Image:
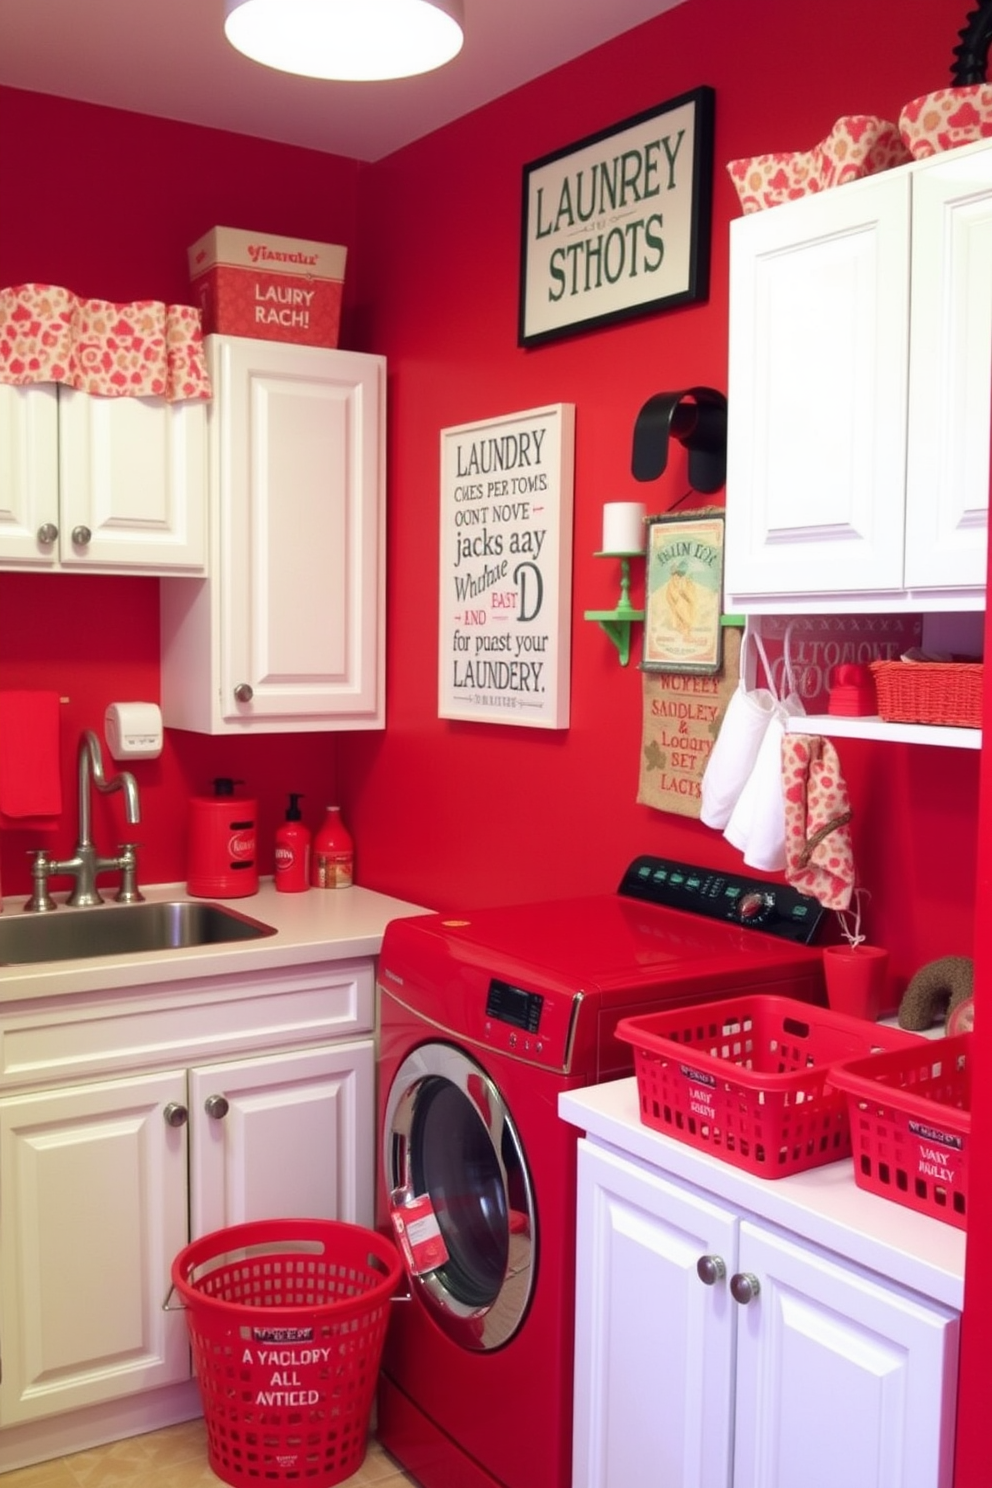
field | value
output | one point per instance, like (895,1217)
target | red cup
(856,978)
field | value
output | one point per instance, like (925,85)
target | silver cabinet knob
(81,536)
(49,533)
(175,1114)
(710,1269)
(216,1107)
(744,1287)
(244,692)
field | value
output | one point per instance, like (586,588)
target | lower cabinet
(714,1350)
(105,1180)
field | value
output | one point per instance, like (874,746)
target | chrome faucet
(86,863)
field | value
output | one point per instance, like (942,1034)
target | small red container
(911,1125)
(746,1078)
(222,849)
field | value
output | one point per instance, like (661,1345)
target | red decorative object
(852,692)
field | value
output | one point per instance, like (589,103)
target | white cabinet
(104,1180)
(290,1134)
(830,1374)
(287,634)
(94,1209)
(101,484)
(860,384)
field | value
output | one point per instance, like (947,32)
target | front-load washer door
(448,1134)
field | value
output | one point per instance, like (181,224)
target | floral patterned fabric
(945,119)
(819,859)
(144,349)
(858,145)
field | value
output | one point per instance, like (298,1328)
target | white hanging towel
(757,822)
(735,751)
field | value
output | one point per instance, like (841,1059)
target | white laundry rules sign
(506,569)
(286,1365)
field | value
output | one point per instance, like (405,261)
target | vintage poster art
(684,599)
(619,223)
(504,648)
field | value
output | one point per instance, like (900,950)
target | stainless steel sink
(121,930)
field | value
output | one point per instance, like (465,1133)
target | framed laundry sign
(682,630)
(619,223)
(506,568)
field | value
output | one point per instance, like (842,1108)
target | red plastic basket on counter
(910,1125)
(746,1078)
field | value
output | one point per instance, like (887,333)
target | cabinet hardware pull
(48,533)
(175,1114)
(244,692)
(744,1287)
(710,1269)
(216,1107)
(81,536)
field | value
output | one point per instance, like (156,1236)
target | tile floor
(173,1458)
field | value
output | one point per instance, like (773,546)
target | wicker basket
(946,692)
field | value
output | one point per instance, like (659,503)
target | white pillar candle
(623,527)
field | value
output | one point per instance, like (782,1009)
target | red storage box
(277,289)
(746,1078)
(911,1123)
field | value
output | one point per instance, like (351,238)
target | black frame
(695,287)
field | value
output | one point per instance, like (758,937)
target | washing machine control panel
(509,1004)
(533,1026)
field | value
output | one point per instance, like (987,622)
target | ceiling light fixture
(346,40)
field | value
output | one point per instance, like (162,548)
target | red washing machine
(484,1019)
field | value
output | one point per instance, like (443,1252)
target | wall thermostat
(133,730)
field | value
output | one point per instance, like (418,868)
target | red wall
(444,812)
(107,203)
(455,813)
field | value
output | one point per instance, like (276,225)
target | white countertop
(823,1205)
(317,925)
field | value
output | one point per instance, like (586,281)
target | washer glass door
(448,1134)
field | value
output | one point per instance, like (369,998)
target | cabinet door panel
(29,473)
(301,551)
(134,472)
(654,1346)
(94,1210)
(951,376)
(840,1378)
(816,448)
(296,1139)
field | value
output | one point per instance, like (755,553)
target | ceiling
(170,58)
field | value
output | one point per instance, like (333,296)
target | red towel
(30,777)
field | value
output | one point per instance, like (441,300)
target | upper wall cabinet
(859,394)
(101,484)
(287,633)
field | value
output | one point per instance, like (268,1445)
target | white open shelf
(840,727)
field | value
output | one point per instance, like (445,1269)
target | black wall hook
(697,418)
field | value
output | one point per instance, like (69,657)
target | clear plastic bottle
(333,853)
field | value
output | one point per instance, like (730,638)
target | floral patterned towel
(819,859)
(144,350)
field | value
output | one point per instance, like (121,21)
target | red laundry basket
(287,1320)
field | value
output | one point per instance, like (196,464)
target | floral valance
(144,349)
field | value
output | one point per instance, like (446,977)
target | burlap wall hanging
(681,719)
